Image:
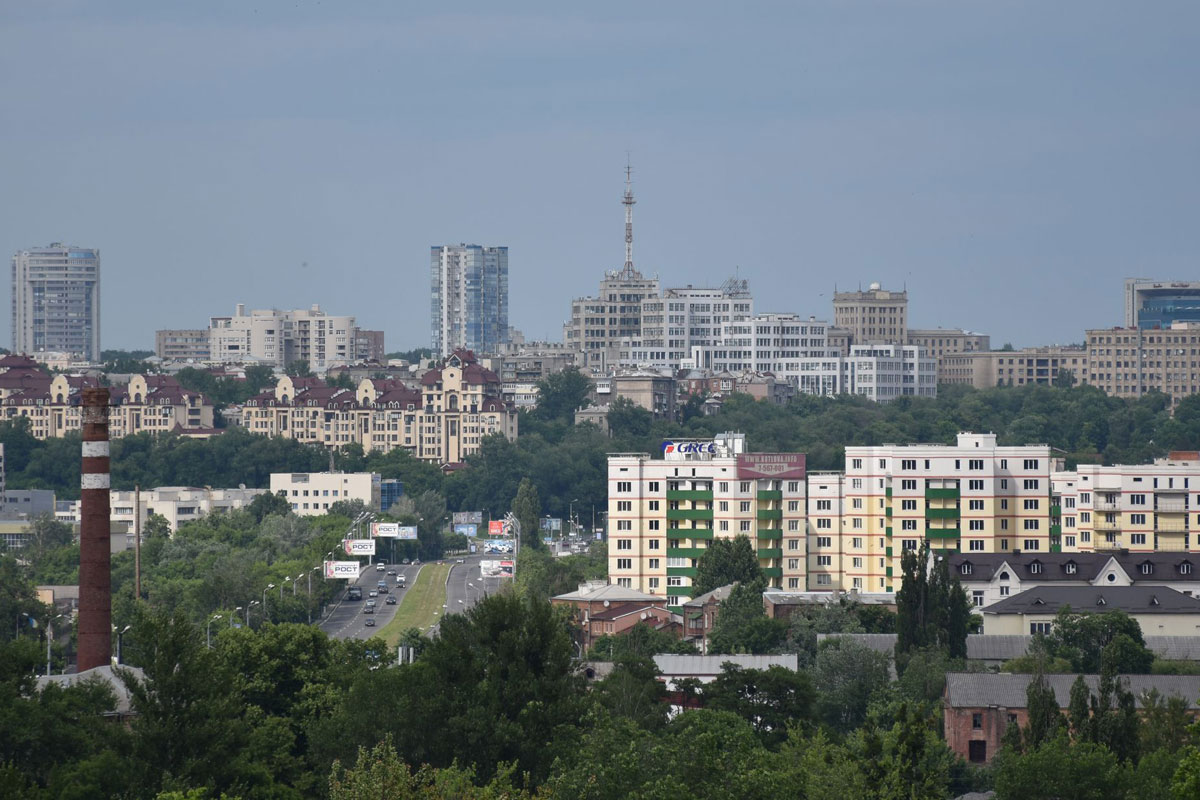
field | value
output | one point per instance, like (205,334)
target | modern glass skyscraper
(469,298)
(56,301)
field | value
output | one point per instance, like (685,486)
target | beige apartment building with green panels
(663,512)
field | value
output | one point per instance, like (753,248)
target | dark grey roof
(719,594)
(682,665)
(1088,566)
(1007,690)
(990,647)
(982,647)
(1130,599)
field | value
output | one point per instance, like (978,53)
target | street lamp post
(266,611)
(248,607)
(50,641)
(208,630)
(233,616)
(571,515)
(17,628)
(120,636)
(310,572)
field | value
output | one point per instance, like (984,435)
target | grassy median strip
(422,604)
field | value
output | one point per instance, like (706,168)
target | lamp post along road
(208,630)
(266,612)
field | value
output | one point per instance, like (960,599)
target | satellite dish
(644,615)
(606,604)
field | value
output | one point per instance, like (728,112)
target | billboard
(386,530)
(496,528)
(468,517)
(342,569)
(407,532)
(551,524)
(785,466)
(506,569)
(496,569)
(465,529)
(675,448)
(359,547)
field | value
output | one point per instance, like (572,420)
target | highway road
(464,588)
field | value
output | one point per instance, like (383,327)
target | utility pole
(137,542)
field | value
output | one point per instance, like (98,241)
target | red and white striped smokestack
(95,576)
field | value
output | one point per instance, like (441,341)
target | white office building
(313,493)
(278,338)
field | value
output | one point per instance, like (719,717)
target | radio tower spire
(628,202)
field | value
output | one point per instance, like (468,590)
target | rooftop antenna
(628,202)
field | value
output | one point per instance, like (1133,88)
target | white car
(379,567)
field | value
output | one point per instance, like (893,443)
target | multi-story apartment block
(369,346)
(1158,304)
(886,372)
(663,512)
(468,298)
(56,301)
(775,343)
(312,493)
(147,404)
(682,321)
(175,504)
(1128,362)
(1137,508)
(1030,365)
(182,345)
(280,338)
(876,316)
(944,344)
(973,496)
(442,420)
(598,324)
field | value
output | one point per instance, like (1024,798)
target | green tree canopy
(726,561)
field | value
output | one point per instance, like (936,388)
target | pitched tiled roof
(1007,690)
(718,594)
(1083,599)
(618,610)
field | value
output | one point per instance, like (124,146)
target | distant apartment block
(1158,304)
(663,513)
(680,321)
(599,323)
(56,301)
(441,419)
(313,493)
(279,338)
(147,404)
(182,345)
(469,298)
(875,316)
(1029,365)
(944,344)
(368,346)
(1129,362)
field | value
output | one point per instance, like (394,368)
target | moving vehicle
(372,593)
(381,587)
(391,601)
(369,609)
(460,561)
(406,561)
(379,567)
(400,580)
(391,572)
(354,593)
(369,623)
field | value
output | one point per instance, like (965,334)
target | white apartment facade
(278,338)
(175,504)
(313,493)
(663,512)
(973,496)
(679,321)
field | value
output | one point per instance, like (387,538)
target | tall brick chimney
(95,575)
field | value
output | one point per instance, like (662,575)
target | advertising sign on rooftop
(776,466)
(342,569)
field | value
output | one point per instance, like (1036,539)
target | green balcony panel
(685,552)
(1055,530)
(770,552)
(888,530)
(764,513)
(887,492)
(942,513)
(770,572)
(888,552)
(941,494)
(942,533)
(689,513)
(681,572)
(696,534)
(1056,548)
(1056,511)
(888,512)
(770,494)
(771,533)
(689,494)
(889,572)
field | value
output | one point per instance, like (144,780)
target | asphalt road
(464,588)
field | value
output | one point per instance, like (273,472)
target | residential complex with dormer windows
(663,512)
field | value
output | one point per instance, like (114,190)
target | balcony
(1171,526)
(685,552)
(1107,505)
(942,513)
(695,534)
(763,514)
(773,572)
(942,494)
(770,533)
(888,512)
(1055,510)
(1055,530)
(888,572)
(1107,547)
(887,492)
(1171,490)
(943,533)
(689,494)
(692,513)
(770,552)
(888,552)
(1105,525)
(1171,546)
(1171,506)
(681,572)
(767,494)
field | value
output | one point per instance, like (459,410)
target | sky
(1009,163)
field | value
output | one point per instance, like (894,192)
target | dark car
(370,622)
(391,601)
(391,572)
(406,561)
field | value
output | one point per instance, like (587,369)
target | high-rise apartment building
(876,316)
(663,513)
(283,337)
(680,323)
(56,301)
(973,496)
(469,298)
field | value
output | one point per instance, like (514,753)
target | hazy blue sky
(1012,162)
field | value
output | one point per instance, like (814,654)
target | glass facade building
(468,298)
(56,301)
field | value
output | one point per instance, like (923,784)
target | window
(625,583)
(975,525)
(975,545)
(824,524)
(908,485)
(793,563)
(856,542)
(745,507)
(856,483)
(723,486)
(908,544)
(1031,463)
(975,505)
(1031,524)
(908,524)
(794,583)
(1137,499)
(1031,505)
(975,463)
(624,563)
(824,505)
(824,541)
(653,583)
(858,562)
(1137,538)
(857,523)
(1137,519)
(624,505)
(652,544)
(624,486)
(653,563)
(908,463)
(624,544)
(824,580)
(856,463)
(1069,541)
(674,581)
(793,505)
(977,598)
(1004,591)
(793,524)
(1031,483)
(966,569)
(653,525)
(793,544)
(653,487)
(975,485)
(977,721)
(624,524)
(908,505)
(1039,627)
(1032,544)
(793,486)
(744,486)
(654,505)
(824,561)
(744,526)
(856,503)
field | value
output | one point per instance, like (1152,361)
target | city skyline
(956,152)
